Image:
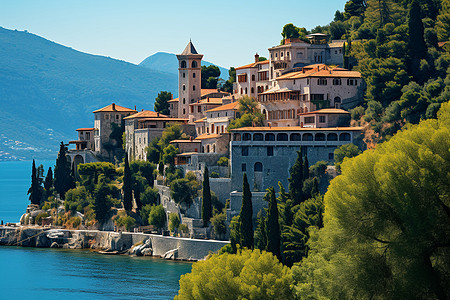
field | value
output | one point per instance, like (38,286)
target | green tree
(63,179)
(347,150)
(228,85)
(386,227)
(91,172)
(182,191)
(174,221)
(245,275)
(295,237)
(219,224)
(296,180)
(235,233)
(260,237)
(210,75)
(169,154)
(443,22)
(161,102)
(354,8)
(206,199)
(48,182)
(250,114)
(154,151)
(157,217)
(35,190)
(246,215)
(127,187)
(416,45)
(102,204)
(272,225)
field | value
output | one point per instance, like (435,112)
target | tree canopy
(161,102)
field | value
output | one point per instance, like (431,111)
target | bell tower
(189,79)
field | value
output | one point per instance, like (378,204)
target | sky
(228,33)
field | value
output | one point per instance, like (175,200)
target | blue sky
(228,33)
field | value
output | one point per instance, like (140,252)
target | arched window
(183,64)
(214,148)
(194,64)
(246,137)
(253,77)
(258,137)
(258,167)
(296,137)
(270,137)
(193,75)
(184,87)
(265,114)
(344,136)
(332,137)
(320,137)
(337,102)
(307,137)
(282,137)
(237,137)
(246,91)
(252,90)
(207,148)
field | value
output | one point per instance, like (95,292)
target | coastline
(109,242)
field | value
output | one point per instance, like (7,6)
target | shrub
(73,222)
(245,275)
(183,228)
(219,223)
(223,161)
(125,221)
(214,175)
(174,221)
(39,218)
(157,216)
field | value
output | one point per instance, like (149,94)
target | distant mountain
(48,90)
(168,62)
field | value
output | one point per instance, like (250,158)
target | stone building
(217,119)
(253,78)
(85,139)
(104,119)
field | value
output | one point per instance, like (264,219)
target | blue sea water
(32,273)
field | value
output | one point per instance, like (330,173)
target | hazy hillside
(48,90)
(168,62)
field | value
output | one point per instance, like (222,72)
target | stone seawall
(161,246)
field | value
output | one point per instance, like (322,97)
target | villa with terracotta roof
(252,79)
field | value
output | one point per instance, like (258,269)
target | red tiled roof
(200,120)
(117,108)
(233,105)
(85,129)
(206,136)
(174,100)
(146,114)
(253,65)
(320,70)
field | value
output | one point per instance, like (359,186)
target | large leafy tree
(210,75)
(246,215)
(63,179)
(161,102)
(249,114)
(206,199)
(387,221)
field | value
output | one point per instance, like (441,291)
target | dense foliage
(161,102)
(245,275)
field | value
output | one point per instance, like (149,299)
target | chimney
(256,57)
(157,114)
(142,109)
(171,96)
(135,107)
(113,106)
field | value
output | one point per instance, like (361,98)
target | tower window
(184,111)
(194,64)
(193,75)
(183,64)
(184,100)
(184,75)
(193,87)
(184,87)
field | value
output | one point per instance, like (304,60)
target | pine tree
(127,187)
(161,102)
(296,180)
(63,180)
(48,183)
(273,226)
(35,190)
(246,215)
(206,199)
(416,44)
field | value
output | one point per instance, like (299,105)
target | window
(337,81)
(331,156)
(253,77)
(281,55)
(344,136)
(193,75)
(332,137)
(351,82)
(184,75)
(270,151)
(322,81)
(321,119)
(194,64)
(244,151)
(184,87)
(258,167)
(244,167)
(183,64)
(296,137)
(246,137)
(193,87)
(307,137)
(282,137)
(246,91)
(199,109)
(270,137)
(310,120)
(258,137)
(184,100)
(252,90)
(320,137)
(242,77)
(317,97)
(307,81)
(88,135)
(107,117)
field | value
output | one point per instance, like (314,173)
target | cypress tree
(127,187)
(416,43)
(296,180)
(260,238)
(35,189)
(100,201)
(206,199)
(246,214)
(273,226)
(48,182)
(63,181)
(73,177)
(306,168)
(315,188)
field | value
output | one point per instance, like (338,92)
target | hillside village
(302,92)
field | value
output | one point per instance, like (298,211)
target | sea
(35,273)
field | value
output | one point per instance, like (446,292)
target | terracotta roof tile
(174,100)
(117,108)
(206,136)
(200,120)
(326,111)
(146,114)
(85,129)
(320,71)
(229,106)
